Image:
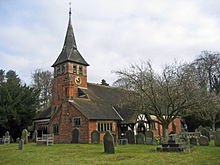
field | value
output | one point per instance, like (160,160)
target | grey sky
(110,34)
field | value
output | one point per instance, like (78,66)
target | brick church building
(79,107)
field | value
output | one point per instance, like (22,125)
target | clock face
(78,80)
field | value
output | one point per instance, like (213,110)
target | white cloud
(110,34)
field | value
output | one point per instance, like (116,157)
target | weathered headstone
(17,140)
(204,131)
(154,142)
(149,141)
(149,134)
(21,144)
(25,136)
(95,137)
(115,138)
(217,137)
(140,138)
(34,136)
(7,134)
(203,141)
(193,141)
(130,137)
(108,143)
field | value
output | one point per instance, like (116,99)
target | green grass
(59,154)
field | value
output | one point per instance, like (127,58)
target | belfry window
(63,68)
(74,69)
(58,70)
(80,70)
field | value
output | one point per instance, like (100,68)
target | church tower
(70,70)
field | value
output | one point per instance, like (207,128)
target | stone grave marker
(193,141)
(34,136)
(203,141)
(217,137)
(21,144)
(115,138)
(108,143)
(95,137)
(149,134)
(17,140)
(140,138)
(25,136)
(130,136)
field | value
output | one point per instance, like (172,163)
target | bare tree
(165,95)
(42,81)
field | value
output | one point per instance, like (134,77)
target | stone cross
(108,143)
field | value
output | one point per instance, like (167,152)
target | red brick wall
(171,127)
(64,117)
(93,126)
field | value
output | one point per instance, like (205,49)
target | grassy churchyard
(94,154)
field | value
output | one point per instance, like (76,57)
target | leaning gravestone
(140,138)
(217,137)
(95,137)
(203,141)
(108,143)
(25,136)
(130,137)
(193,141)
(34,136)
(21,144)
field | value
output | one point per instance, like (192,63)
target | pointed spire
(69,51)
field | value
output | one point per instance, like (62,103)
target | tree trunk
(165,133)
(213,126)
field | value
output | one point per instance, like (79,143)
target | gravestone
(7,134)
(17,140)
(193,141)
(130,137)
(25,136)
(217,137)
(203,141)
(108,143)
(95,137)
(149,141)
(149,134)
(21,144)
(115,138)
(75,136)
(140,138)
(34,136)
(154,142)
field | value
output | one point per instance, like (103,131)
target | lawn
(59,154)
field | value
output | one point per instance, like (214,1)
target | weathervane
(70,8)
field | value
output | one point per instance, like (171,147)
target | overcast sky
(110,34)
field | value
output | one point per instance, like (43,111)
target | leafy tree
(17,105)
(165,95)
(104,83)
(43,81)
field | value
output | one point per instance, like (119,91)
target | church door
(75,136)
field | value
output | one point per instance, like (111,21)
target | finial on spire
(70,9)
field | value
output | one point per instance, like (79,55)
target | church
(78,107)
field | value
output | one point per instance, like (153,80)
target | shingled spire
(69,51)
